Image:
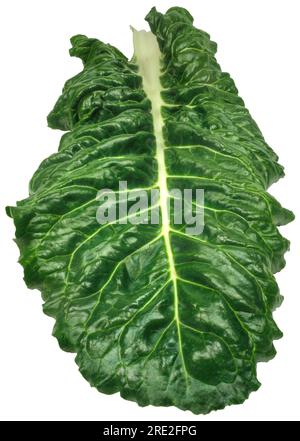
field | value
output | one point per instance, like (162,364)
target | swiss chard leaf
(162,316)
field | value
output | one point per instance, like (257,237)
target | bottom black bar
(101,430)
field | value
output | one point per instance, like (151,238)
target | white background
(258,43)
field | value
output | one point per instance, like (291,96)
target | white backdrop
(258,44)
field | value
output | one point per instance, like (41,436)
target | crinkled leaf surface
(161,316)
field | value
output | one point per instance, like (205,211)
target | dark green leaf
(163,317)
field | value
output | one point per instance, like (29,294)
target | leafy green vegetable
(163,317)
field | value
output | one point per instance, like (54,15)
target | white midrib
(148,56)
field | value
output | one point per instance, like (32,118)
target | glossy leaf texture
(161,316)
